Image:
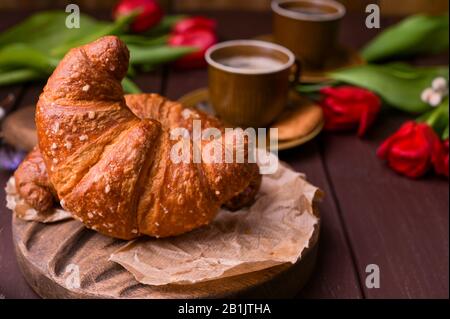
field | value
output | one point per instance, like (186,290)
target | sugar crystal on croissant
(108,156)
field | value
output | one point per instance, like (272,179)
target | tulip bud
(410,150)
(439,84)
(194,23)
(348,107)
(150,13)
(426,95)
(440,159)
(198,32)
(435,99)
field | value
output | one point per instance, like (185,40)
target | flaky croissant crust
(112,169)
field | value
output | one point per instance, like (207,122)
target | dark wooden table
(370,215)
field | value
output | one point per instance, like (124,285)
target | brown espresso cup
(309,28)
(249,81)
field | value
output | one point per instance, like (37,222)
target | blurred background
(388,7)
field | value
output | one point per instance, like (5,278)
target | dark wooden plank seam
(340,216)
(170,6)
(164,79)
(340,280)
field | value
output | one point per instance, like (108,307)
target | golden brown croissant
(112,170)
(34,185)
(32,182)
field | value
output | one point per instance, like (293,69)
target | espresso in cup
(249,81)
(309,28)
(251,63)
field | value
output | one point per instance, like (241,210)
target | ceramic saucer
(300,122)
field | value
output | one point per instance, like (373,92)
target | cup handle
(295,76)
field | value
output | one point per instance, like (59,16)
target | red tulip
(199,38)
(150,13)
(348,107)
(410,150)
(440,159)
(194,23)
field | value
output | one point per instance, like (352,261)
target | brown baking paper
(278,228)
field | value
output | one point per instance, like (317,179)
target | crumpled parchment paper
(278,228)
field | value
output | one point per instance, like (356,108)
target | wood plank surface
(335,275)
(12,284)
(397,223)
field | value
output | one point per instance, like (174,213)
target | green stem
(144,41)
(313,88)
(164,26)
(446,133)
(434,117)
(130,87)
(438,118)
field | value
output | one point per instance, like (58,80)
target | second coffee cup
(249,81)
(309,28)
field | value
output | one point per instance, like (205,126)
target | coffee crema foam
(309,10)
(259,63)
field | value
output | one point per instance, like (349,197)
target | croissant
(33,184)
(110,167)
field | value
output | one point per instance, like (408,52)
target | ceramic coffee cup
(309,28)
(249,81)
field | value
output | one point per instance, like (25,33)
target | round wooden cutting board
(50,254)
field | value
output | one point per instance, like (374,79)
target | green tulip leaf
(32,49)
(19,76)
(398,84)
(23,56)
(158,54)
(47,30)
(415,35)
